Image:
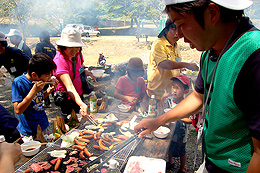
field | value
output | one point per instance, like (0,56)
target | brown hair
(61,49)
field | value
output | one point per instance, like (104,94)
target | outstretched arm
(171,65)
(65,78)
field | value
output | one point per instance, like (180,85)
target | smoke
(32,16)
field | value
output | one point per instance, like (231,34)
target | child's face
(46,77)
(71,51)
(178,89)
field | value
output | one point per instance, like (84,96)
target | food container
(124,108)
(98,72)
(162,132)
(31,148)
(145,164)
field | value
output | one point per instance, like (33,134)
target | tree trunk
(137,22)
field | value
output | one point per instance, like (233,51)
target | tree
(6,9)
(136,10)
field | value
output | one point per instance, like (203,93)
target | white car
(85,30)
(89,31)
(79,27)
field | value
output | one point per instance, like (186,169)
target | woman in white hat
(69,60)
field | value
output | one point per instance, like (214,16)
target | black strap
(74,68)
(81,58)
(134,84)
(131,82)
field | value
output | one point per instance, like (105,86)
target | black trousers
(65,109)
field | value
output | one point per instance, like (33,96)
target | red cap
(183,79)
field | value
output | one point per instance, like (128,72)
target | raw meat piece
(36,167)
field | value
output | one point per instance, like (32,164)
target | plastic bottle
(93,102)
(113,166)
(152,107)
(2,138)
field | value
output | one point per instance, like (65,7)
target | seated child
(28,94)
(131,88)
(180,86)
(102,59)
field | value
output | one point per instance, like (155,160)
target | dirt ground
(118,48)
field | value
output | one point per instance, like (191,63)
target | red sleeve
(120,84)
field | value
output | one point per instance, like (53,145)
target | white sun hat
(2,36)
(70,37)
(230,4)
(234,4)
(14,32)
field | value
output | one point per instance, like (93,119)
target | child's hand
(132,100)
(53,85)
(164,96)
(38,85)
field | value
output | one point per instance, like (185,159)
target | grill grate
(122,156)
(42,156)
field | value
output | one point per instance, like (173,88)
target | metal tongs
(113,152)
(92,121)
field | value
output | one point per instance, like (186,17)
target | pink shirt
(128,89)
(64,66)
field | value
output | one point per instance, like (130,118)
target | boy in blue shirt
(28,94)
(180,86)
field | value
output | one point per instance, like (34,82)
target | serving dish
(162,132)
(98,73)
(30,148)
(124,108)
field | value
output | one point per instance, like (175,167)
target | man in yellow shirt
(165,61)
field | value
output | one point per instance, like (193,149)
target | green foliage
(89,12)
(136,10)
(6,8)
